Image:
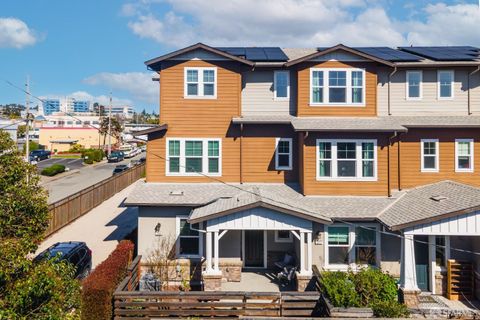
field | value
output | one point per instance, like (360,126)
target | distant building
(80,106)
(68,105)
(10,126)
(50,106)
(125,112)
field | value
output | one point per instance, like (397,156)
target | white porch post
(309,252)
(408,277)
(215,252)
(432,261)
(209,251)
(302,252)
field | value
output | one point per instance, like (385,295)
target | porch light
(157,229)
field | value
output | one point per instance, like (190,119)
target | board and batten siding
(258,94)
(429,104)
(467,224)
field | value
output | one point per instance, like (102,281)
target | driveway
(102,228)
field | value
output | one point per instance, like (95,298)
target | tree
(28,290)
(115,128)
(21,130)
(32,146)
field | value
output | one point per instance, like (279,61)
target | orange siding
(305,110)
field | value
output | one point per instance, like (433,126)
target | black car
(38,155)
(116,156)
(75,252)
(119,169)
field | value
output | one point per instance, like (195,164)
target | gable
(340,55)
(199,54)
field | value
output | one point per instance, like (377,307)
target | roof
(270,119)
(374,124)
(271,54)
(439,121)
(431,203)
(150,130)
(63,141)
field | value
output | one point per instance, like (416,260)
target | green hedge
(53,170)
(92,155)
(99,286)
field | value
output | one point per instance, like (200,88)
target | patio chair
(287,275)
(288,261)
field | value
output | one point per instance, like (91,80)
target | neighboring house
(10,126)
(341,156)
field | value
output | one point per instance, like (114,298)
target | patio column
(302,252)
(432,257)
(215,252)
(408,275)
(208,249)
(309,252)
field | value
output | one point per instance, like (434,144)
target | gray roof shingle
(373,124)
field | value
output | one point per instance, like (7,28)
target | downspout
(468,88)
(398,164)
(241,153)
(389,187)
(390,80)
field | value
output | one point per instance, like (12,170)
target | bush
(53,170)
(339,289)
(389,309)
(92,155)
(98,288)
(372,285)
(76,148)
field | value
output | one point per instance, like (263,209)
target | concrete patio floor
(439,306)
(258,281)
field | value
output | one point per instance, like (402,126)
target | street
(87,176)
(72,164)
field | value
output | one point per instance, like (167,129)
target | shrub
(92,155)
(98,155)
(76,148)
(53,170)
(372,285)
(389,309)
(339,289)
(98,288)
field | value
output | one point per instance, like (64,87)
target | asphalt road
(72,164)
(87,176)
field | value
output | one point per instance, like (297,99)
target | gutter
(469,111)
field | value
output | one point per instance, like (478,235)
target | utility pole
(110,126)
(27,110)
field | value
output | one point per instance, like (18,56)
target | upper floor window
(464,155)
(281,84)
(283,154)
(200,83)
(346,159)
(429,151)
(414,85)
(193,156)
(337,86)
(445,84)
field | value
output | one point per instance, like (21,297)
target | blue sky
(87,48)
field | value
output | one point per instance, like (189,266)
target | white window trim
(407,87)
(452,83)
(177,242)
(200,82)
(325,88)
(283,240)
(351,247)
(457,169)
(205,157)
(358,160)
(437,156)
(277,166)
(275,85)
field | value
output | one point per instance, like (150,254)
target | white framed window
(429,155)
(193,156)
(283,236)
(414,85)
(200,82)
(348,246)
(464,155)
(337,86)
(346,160)
(281,85)
(283,154)
(445,79)
(189,243)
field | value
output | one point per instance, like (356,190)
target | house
(339,156)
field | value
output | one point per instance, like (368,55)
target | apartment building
(341,156)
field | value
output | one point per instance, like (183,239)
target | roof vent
(438,198)
(176,193)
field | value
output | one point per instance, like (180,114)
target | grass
(67,156)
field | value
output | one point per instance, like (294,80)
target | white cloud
(137,84)
(302,23)
(15,33)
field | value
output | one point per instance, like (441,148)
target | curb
(60,176)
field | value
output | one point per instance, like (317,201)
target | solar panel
(388,54)
(452,53)
(257,53)
(275,54)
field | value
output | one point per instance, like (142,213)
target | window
(445,84)
(281,85)
(283,236)
(338,245)
(283,154)
(440,250)
(188,238)
(194,156)
(200,83)
(429,152)
(464,155)
(414,85)
(346,159)
(365,245)
(337,86)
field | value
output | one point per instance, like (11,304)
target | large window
(281,83)
(337,86)
(414,85)
(464,155)
(338,245)
(365,245)
(193,156)
(188,238)
(445,84)
(283,154)
(200,83)
(429,151)
(346,159)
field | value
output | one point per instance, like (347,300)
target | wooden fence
(132,304)
(76,205)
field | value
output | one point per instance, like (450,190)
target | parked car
(143,159)
(119,169)
(116,156)
(38,155)
(75,252)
